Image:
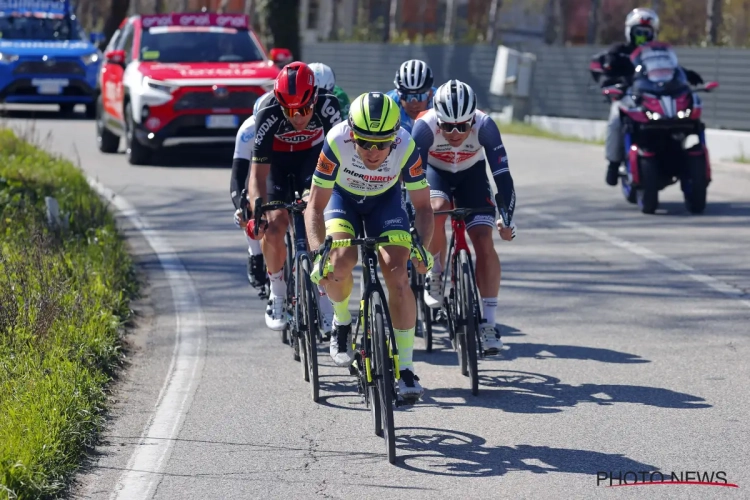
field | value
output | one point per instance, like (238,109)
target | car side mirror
(281,56)
(115,57)
(96,38)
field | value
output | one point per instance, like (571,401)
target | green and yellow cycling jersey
(341,167)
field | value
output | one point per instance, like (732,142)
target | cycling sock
(253,246)
(341,314)
(488,309)
(326,307)
(405,344)
(437,266)
(278,285)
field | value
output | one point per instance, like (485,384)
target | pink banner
(205,19)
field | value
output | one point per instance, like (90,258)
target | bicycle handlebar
(298,205)
(330,243)
(462,213)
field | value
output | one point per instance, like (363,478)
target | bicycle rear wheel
(471,323)
(385,376)
(311,328)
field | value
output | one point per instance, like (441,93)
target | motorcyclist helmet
(641,26)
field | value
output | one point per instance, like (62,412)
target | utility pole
(390,30)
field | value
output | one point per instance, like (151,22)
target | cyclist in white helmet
(414,90)
(243,146)
(325,78)
(451,137)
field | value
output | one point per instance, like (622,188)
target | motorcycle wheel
(628,191)
(694,190)
(648,191)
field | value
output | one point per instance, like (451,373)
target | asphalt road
(627,335)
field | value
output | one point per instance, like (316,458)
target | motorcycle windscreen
(659,65)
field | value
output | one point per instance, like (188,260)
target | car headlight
(8,58)
(90,58)
(160,86)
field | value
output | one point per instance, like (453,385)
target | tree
(282,19)
(492,20)
(713,21)
(117,12)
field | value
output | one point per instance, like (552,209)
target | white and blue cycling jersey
(406,121)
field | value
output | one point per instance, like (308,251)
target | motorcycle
(664,135)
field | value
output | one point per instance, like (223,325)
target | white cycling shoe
(491,341)
(342,355)
(408,385)
(433,290)
(275,314)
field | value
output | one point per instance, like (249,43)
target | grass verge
(64,295)
(522,128)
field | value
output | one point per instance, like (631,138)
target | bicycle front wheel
(471,323)
(385,377)
(311,326)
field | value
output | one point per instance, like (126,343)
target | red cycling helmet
(295,86)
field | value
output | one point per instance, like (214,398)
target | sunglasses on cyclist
(290,113)
(368,145)
(421,97)
(458,127)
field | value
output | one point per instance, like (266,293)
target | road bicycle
(376,364)
(423,326)
(302,308)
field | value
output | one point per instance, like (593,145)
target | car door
(113,72)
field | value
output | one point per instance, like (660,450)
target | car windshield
(195,45)
(35,28)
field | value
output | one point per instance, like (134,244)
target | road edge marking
(139,479)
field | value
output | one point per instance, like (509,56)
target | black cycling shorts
(469,188)
(300,165)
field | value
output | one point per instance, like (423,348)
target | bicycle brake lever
(243,204)
(258,212)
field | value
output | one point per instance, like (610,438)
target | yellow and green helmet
(374,117)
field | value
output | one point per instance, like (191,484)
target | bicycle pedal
(353,370)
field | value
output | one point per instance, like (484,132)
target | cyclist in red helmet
(289,133)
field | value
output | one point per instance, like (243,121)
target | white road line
(149,458)
(641,251)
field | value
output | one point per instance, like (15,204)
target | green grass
(64,296)
(522,128)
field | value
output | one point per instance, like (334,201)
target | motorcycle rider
(641,27)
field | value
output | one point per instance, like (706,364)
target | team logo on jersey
(416,170)
(325,166)
(297,137)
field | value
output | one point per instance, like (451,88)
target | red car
(171,79)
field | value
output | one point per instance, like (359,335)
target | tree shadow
(526,392)
(443,452)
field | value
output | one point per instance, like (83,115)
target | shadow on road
(525,392)
(444,452)
(444,355)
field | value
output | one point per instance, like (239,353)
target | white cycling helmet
(413,76)
(324,76)
(454,102)
(262,101)
(641,26)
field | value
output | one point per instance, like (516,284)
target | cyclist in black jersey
(289,133)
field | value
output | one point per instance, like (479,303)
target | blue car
(45,56)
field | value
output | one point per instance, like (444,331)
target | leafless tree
(713,21)
(450,16)
(492,20)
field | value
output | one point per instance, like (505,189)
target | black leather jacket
(618,68)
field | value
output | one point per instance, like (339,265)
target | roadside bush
(64,295)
